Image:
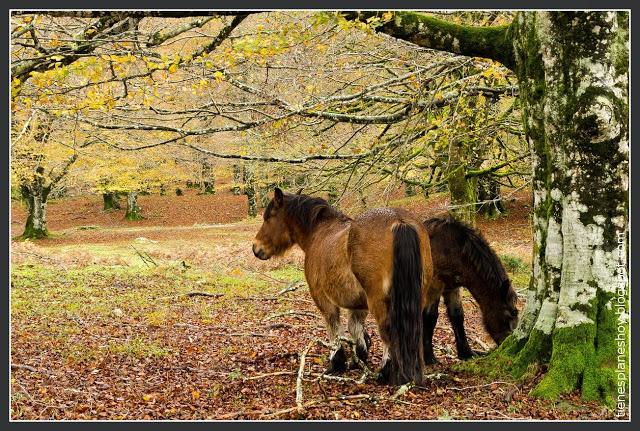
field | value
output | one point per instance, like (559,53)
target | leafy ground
(173,318)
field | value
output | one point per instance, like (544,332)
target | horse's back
(371,248)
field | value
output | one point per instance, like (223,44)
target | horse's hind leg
(429,319)
(358,331)
(455,312)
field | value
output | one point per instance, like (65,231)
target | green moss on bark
(573,352)
(474,41)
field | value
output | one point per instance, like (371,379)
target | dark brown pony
(462,257)
(378,262)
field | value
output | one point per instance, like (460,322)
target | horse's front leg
(455,312)
(359,335)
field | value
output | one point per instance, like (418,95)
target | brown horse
(378,262)
(462,257)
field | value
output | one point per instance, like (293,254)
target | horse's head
(502,317)
(274,236)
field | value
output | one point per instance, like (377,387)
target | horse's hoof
(362,353)
(430,360)
(367,339)
(384,376)
(338,363)
(470,354)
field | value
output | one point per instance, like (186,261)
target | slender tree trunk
(409,190)
(250,191)
(237,179)
(332,195)
(208,179)
(489,198)
(572,69)
(35,195)
(134,212)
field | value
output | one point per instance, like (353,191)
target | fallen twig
(291,287)
(303,358)
(277,373)
(224,334)
(289,313)
(480,386)
(146,259)
(315,403)
(192,294)
(211,295)
(482,344)
(28,368)
(402,390)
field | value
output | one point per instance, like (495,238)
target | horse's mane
(308,211)
(475,248)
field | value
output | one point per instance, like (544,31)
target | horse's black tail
(405,313)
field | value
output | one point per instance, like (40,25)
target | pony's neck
(479,293)
(304,237)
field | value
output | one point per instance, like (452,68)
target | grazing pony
(378,262)
(462,257)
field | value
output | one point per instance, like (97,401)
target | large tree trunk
(572,68)
(35,196)
(134,212)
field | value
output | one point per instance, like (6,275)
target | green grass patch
(138,347)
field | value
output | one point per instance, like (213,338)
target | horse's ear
(300,191)
(278,196)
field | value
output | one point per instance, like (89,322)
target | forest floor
(173,318)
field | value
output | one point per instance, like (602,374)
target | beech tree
(572,70)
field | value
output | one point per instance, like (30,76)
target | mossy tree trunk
(35,195)
(250,191)
(134,212)
(110,201)
(489,199)
(572,68)
(462,190)
(237,179)
(409,189)
(208,179)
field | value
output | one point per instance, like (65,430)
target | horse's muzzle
(259,253)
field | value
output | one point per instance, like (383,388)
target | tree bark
(35,196)
(110,201)
(572,69)
(237,179)
(489,199)
(208,179)
(250,191)
(134,212)
(462,190)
